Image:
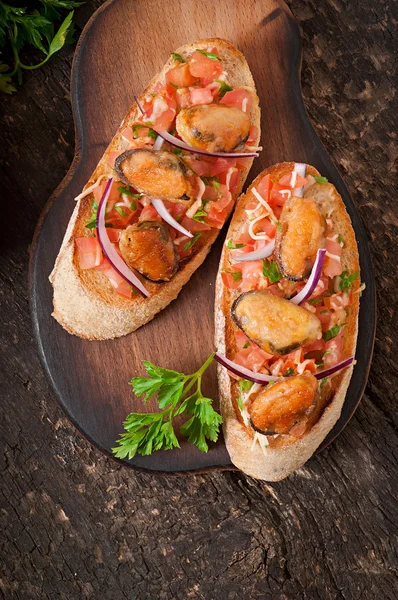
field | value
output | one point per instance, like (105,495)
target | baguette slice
(282,456)
(85,303)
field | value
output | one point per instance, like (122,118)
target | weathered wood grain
(77,525)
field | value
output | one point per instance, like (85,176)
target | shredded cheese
(262,441)
(90,189)
(229,175)
(257,236)
(263,202)
(198,202)
(333,256)
(293,179)
(244,105)
(159,107)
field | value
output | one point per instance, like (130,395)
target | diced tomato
(256,359)
(201,166)
(297,356)
(230,178)
(307,365)
(201,96)
(241,338)
(149,213)
(228,279)
(180,76)
(111,158)
(159,87)
(176,209)
(286,179)
(241,358)
(114,234)
(314,346)
(98,191)
(251,273)
(194,226)
(202,66)
(265,226)
(324,315)
(276,367)
(240,98)
(121,286)
(264,187)
(288,364)
(160,112)
(275,289)
(337,301)
(333,350)
(127,134)
(332,266)
(222,164)
(89,252)
(253,135)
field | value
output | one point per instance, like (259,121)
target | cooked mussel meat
(155,173)
(284,405)
(148,248)
(301,235)
(275,324)
(213,127)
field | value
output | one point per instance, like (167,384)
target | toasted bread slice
(78,294)
(283,455)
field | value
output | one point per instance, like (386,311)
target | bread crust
(278,461)
(78,294)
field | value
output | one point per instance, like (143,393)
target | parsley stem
(198,374)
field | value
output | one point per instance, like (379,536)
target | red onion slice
(264,379)
(300,169)
(263,252)
(180,144)
(107,247)
(166,216)
(312,280)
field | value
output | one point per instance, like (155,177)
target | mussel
(213,127)
(275,324)
(285,405)
(147,247)
(301,235)
(157,174)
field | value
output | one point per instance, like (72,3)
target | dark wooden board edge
(318,150)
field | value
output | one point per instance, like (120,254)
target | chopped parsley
(121,212)
(289,372)
(320,179)
(173,85)
(247,344)
(92,224)
(177,151)
(244,386)
(214,181)
(323,382)
(188,245)
(210,55)
(133,205)
(233,246)
(332,332)
(236,275)
(315,301)
(224,88)
(340,239)
(152,134)
(347,280)
(127,192)
(271,271)
(200,213)
(177,57)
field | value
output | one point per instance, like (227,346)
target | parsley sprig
(271,271)
(147,432)
(38,27)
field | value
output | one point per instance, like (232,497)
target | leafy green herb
(133,205)
(92,224)
(121,212)
(127,191)
(347,280)
(152,134)
(332,332)
(279,226)
(177,57)
(136,127)
(289,372)
(188,245)
(200,213)
(271,271)
(340,239)
(178,151)
(315,301)
(320,179)
(233,246)
(224,88)
(214,181)
(33,27)
(173,85)
(210,55)
(247,344)
(236,275)
(148,432)
(323,382)
(323,312)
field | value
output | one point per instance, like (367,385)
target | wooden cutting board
(123,45)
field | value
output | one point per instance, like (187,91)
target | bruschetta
(286,315)
(157,200)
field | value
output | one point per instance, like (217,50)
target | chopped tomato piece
(202,66)
(201,166)
(194,226)
(230,178)
(127,134)
(332,265)
(333,350)
(287,178)
(324,315)
(149,213)
(251,273)
(183,100)
(229,280)
(264,187)
(113,234)
(89,252)
(315,346)
(240,98)
(180,76)
(256,359)
(307,365)
(111,158)
(121,286)
(222,164)
(253,135)
(201,96)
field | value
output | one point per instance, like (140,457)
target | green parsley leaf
(127,191)
(247,344)
(214,181)
(233,246)
(188,245)
(347,280)
(320,179)
(121,212)
(177,57)
(289,372)
(147,432)
(244,386)
(236,275)
(279,226)
(314,301)
(340,239)
(198,216)
(271,271)
(133,205)
(323,382)
(152,134)
(178,151)
(173,85)
(210,55)
(332,332)
(224,88)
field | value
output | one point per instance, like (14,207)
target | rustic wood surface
(77,525)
